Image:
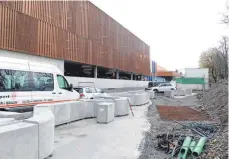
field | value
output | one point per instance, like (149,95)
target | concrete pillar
(95,71)
(131,76)
(117,74)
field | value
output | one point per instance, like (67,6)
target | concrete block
(15,115)
(169,94)
(180,92)
(121,106)
(105,112)
(19,141)
(152,94)
(62,112)
(46,124)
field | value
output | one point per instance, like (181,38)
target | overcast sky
(177,31)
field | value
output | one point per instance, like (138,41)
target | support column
(131,76)
(142,77)
(117,74)
(95,71)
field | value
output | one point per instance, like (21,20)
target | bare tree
(222,56)
(208,60)
(216,60)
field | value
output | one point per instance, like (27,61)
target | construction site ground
(86,139)
(159,124)
(128,137)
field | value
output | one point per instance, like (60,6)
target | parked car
(163,87)
(155,83)
(90,92)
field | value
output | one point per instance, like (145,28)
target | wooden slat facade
(71,30)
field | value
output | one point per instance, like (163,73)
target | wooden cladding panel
(26,33)
(8,28)
(71,30)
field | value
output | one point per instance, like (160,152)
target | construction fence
(190,80)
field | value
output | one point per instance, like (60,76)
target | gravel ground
(148,146)
(215,102)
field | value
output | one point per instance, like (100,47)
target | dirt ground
(148,146)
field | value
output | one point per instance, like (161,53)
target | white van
(25,83)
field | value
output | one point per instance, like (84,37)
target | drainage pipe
(192,145)
(185,147)
(199,147)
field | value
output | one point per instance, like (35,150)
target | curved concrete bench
(141,98)
(169,94)
(180,92)
(91,105)
(130,96)
(188,91)
(152,94)
(62,112)
(77,110)
(137,99)
(44,118)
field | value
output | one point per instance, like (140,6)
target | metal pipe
(199,147)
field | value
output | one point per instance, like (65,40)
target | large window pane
(14,80)
(62,82)
(43,81)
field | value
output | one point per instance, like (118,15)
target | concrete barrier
(180,92)
(169,94)
(105,112)
(44,118)
(19,141)
(15,115)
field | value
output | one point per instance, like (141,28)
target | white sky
(177,31)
